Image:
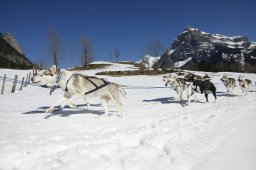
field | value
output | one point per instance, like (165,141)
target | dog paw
(49,111)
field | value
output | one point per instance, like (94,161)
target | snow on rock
(156,132)
(179,64)
(149,61)
(253,45)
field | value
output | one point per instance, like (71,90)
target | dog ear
(53,69)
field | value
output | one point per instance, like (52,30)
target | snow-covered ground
(156,132)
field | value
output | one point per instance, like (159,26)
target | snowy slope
(111,67)
(156,133)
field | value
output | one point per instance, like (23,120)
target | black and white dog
(201,86)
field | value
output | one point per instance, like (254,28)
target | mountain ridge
(195,46)
(11,54)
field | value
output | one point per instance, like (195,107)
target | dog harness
(105,83)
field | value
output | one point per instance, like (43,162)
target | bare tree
(88,54)
(41,63)
(154,47)
(117,54)
(54,45)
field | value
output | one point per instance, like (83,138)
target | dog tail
(121,90)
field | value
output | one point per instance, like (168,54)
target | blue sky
(123,24)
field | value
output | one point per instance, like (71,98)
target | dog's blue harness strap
(59,77)
(57,82)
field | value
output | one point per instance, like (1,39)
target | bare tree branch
(88,54)
(117,54)
(154,47)
(54,45)
(41,63)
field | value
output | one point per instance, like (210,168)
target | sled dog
(77,85)
(244,84)
(177,84)
(229,83)
(201,86)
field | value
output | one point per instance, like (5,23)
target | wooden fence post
(26,82)
(29,75)
(14,83)
(2,91)
(22,82)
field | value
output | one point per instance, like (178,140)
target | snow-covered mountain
(11,54)
(149,61)
(194,46)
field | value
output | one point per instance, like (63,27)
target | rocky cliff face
(194,46)
(11,54)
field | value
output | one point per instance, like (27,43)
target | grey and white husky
(229,83)
(77,85)
(179,85)
(244,83)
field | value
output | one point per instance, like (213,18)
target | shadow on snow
(220,94)
(65,113)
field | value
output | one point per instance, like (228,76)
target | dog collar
(59,77)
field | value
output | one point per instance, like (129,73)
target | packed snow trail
(156,132)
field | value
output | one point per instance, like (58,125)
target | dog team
(76,85)
(188,82)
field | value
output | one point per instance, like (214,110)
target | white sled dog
(177,84)
(78,85)
(244,84)
(229,83)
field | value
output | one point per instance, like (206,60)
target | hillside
(11,54)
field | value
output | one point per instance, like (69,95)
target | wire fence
(14,84)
